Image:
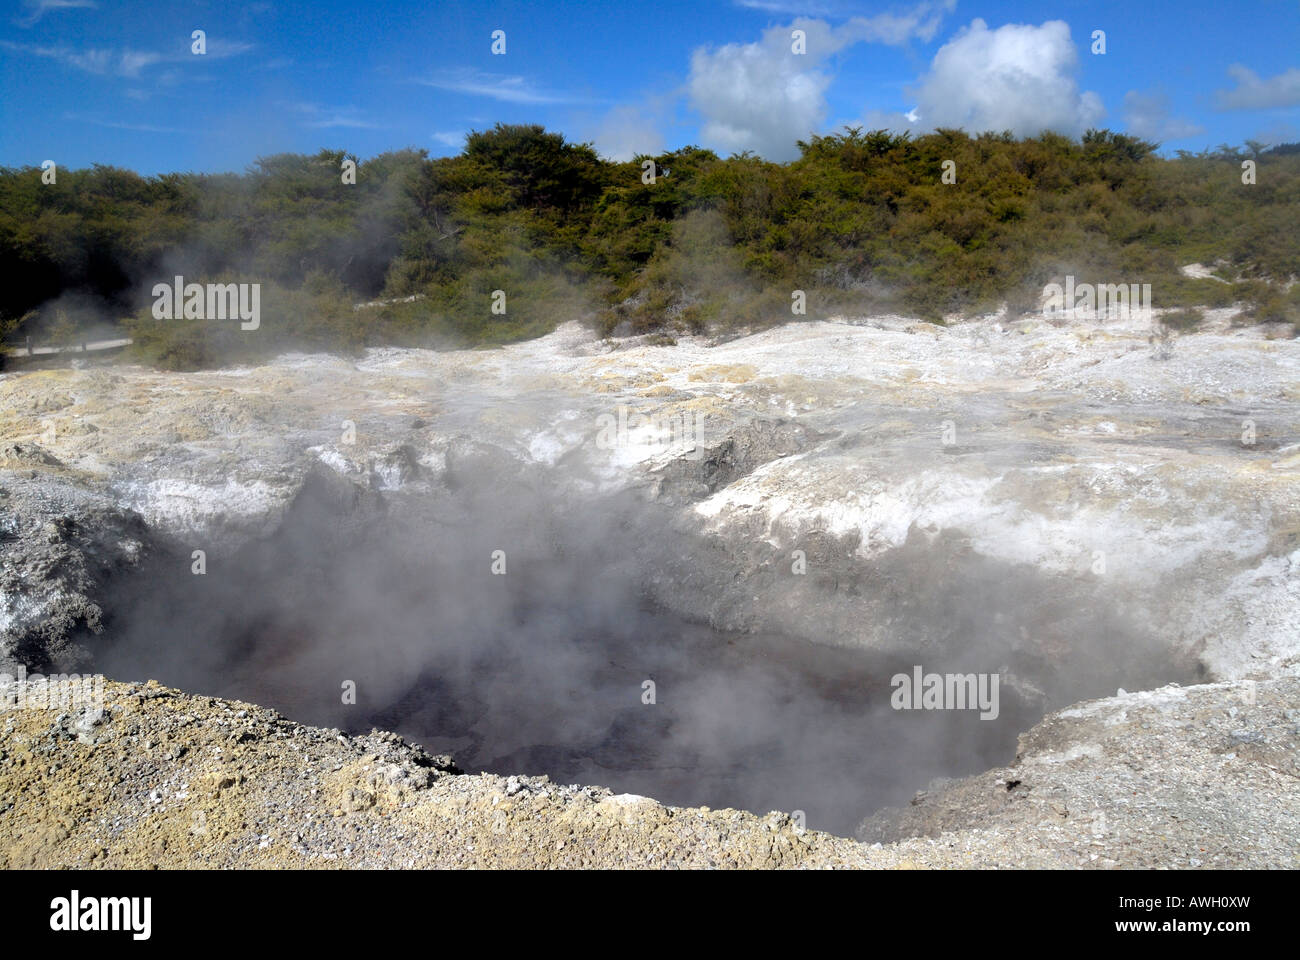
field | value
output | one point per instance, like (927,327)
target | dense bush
(861,221)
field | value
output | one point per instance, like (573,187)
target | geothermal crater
(436,544)
(543,669)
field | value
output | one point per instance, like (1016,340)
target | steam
(543,669)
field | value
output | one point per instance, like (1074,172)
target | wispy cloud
(319,117)
(786,7)
(39,8)
(219,48)
(118,63)
(121,125)
(1147,115)
(340,120)
(510,89)
(103,62)
(133,61)
(451,138)
(1254,92)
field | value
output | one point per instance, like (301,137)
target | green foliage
(318,315)
(1269,303)
(861,221)
(1183,320)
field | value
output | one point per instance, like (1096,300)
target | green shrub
(318,315)
(860,222)
(1184,321)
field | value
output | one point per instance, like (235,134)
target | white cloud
(510,89)
(1256,93)
(342,120)
(1279,133)
(755,97)
(120,125)
(451,138)
(1018,77)
(133,61)
(895,29)
(39,8)
(218,48)
(781,6)
(126,63)
(910,121)
(1146,115)
(839,9)
(324,118)
(763,96)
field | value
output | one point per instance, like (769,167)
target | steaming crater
(1094,523)
(543,669)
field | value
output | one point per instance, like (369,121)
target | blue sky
(90,81)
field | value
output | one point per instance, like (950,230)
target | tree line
(544,230)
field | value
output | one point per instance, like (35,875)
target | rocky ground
(168,780)
(1169,778)
(987,486)
(1177,777)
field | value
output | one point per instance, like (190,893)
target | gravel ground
(164,779)
(1178,777)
